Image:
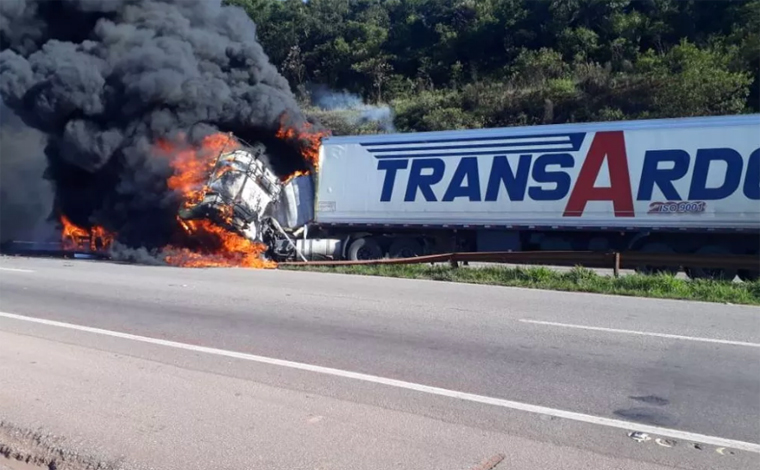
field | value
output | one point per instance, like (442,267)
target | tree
(694,82)
(379,70)
(470,63)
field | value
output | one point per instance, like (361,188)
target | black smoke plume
(105,79)
(25,197)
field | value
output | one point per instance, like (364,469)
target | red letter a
(612,146)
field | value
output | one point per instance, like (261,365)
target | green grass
(576,280)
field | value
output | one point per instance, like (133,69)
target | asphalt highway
(338,371)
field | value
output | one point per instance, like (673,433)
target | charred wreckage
(244,195)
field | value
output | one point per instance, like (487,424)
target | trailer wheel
(405,248)
(724,274)
(364,249)
(657,248)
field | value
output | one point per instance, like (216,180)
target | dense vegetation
(443,64)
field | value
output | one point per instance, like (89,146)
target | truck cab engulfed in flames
(243,194)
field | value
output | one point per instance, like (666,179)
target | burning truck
(134,99)
(238,191)
(242,194)
(405,195)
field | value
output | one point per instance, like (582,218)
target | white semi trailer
(687,185)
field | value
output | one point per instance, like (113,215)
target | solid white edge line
(16,270)
(613,423)
(641,333)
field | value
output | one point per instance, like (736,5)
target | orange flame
(192,166)
(309,137)
(216,245)
(100,238)
(293,175)
(222,248)
(201,243)
(74,237)
(213,245)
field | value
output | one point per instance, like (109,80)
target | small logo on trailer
(677,207)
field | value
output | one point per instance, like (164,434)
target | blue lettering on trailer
(428,166)
(513,181)
(752,181)
(705,158)
(653,174)
(467,170)
(546,159)
(541,174)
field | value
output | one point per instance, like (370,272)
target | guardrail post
(616,266)
(453,261)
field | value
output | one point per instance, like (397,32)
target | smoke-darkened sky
(103,79)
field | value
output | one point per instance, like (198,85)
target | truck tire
(405,248)
(657,248)
(364,249)
(723,274)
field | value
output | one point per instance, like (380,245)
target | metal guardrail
(590,259)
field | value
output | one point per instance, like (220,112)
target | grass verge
(576,280)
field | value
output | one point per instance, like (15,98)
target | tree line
(448,64)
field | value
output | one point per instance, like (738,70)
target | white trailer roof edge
(683,122)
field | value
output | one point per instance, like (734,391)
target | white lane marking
(16,270)
(571,415)
(642,333)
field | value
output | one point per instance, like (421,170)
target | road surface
(231,368)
